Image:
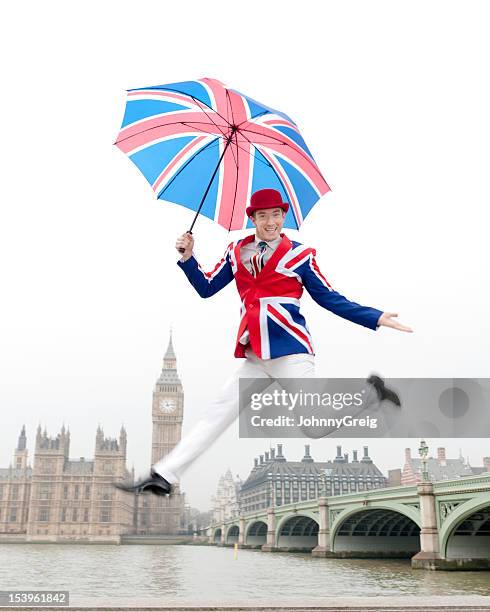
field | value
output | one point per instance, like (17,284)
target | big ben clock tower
(157,514)
(168,408)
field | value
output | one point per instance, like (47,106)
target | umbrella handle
(182,250)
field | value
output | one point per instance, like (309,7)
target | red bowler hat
(266,198)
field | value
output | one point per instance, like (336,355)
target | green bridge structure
(442,525)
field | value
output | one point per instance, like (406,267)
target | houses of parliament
(61,499)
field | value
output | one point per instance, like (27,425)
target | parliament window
(44,491)
(43,514)
(106,492)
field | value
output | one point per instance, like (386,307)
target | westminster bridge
(441,525)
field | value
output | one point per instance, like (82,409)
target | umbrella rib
(236,184)
(259,115)
(209,184)
(210,108)
(164,125)
(227,109)
(278,178)
(207,123)
(228,101)
(210,145)
(234,158)
(200,129)
(212,119)
(266,163)
(264,142)
(186,164)
(304,155)
(284,187)
(183,93)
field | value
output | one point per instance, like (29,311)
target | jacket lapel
(241,243)
(282,248)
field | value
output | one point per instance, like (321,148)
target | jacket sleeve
(208,283)
(324,294)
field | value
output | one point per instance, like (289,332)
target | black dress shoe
(154,483)
(382,391)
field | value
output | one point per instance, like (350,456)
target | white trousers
(221,412)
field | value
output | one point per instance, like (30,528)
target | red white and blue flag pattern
(270,309)
(176,133)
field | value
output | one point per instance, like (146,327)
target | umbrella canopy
(208,148)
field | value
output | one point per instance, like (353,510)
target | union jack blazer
(270,306)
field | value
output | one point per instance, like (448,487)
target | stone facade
(60,499)
(225,501)
(15,490)
(275,481)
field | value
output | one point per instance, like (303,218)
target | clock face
(167,405)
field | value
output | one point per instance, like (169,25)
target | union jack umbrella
(208,148)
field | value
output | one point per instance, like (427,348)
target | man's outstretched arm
(205,283)
(324,294)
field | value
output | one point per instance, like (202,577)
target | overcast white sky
(392,99)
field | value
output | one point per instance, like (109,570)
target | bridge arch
(377,530)
(217,535)
(231,535)
(471,519)
(298,531)
(255,533)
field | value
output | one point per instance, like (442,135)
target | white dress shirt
(252,248)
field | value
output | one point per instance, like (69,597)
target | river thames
(209,575)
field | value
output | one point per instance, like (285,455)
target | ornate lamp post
(423,452)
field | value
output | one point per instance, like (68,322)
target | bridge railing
(471,483)
(478,481)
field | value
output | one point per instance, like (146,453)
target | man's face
(268,222)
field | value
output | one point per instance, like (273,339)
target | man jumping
(270,272)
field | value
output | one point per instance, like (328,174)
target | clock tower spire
(168,405)
(164,514)
(170,361)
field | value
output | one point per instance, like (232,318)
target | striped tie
(257,260)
